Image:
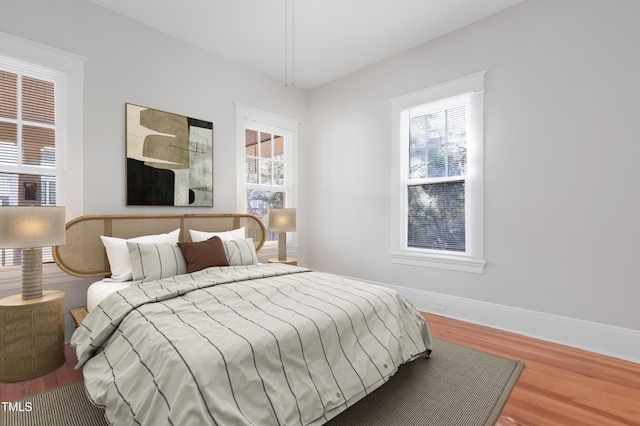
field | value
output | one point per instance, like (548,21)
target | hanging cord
(293,41)
(286,43)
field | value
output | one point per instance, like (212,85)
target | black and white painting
(169,158)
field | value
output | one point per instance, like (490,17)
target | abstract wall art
(169,158)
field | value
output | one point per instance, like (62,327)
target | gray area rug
(457,386)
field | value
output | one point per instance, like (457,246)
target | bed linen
(98,290)
(252,345)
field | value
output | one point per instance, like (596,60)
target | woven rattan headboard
(84,255)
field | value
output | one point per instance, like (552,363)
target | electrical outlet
(441,305)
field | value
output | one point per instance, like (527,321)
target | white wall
(562,195)
(128,62)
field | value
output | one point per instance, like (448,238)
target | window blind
(436,175)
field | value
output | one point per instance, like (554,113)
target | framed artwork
(169,159)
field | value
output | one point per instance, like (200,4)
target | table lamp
(30,229)
(281,221)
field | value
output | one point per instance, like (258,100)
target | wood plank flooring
(559,385)
(64,375)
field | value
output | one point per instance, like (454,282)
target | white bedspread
(258,345)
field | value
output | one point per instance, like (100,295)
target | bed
(239,344)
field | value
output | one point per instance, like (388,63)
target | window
(264,172)
(27,144)
(438,164)
(40,130)
(269,173)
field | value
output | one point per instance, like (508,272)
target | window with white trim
(40,130)
(269,171)
(438,164)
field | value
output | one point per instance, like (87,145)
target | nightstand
(79,314)
(31,336)
(289,261)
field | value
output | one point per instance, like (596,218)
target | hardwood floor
(559,385)
(10,392)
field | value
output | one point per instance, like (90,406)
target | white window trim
(69,183)
(265,120)
(473,259)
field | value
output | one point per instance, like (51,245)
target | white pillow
(153,261)
(236,234)
(240,252)
(118,253)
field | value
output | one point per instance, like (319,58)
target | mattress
(101,289)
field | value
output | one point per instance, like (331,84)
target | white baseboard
(594,337)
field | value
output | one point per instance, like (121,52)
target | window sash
(264,157)
(436,132)
(427,168)
(429,225)
(30,118)
(438,142)
(266,174)
(262,198)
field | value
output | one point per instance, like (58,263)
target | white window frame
(472,260)
(68,141)
(249,117)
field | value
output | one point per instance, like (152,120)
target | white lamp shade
(31,227)
(281,220)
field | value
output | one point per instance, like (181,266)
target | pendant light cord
(286,43)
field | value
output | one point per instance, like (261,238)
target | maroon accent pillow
(204,254)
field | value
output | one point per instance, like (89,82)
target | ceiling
(331,38)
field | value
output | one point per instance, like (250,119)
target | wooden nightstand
(31,336)
(289,261)
(79,314)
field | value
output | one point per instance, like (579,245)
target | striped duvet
(257,345)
